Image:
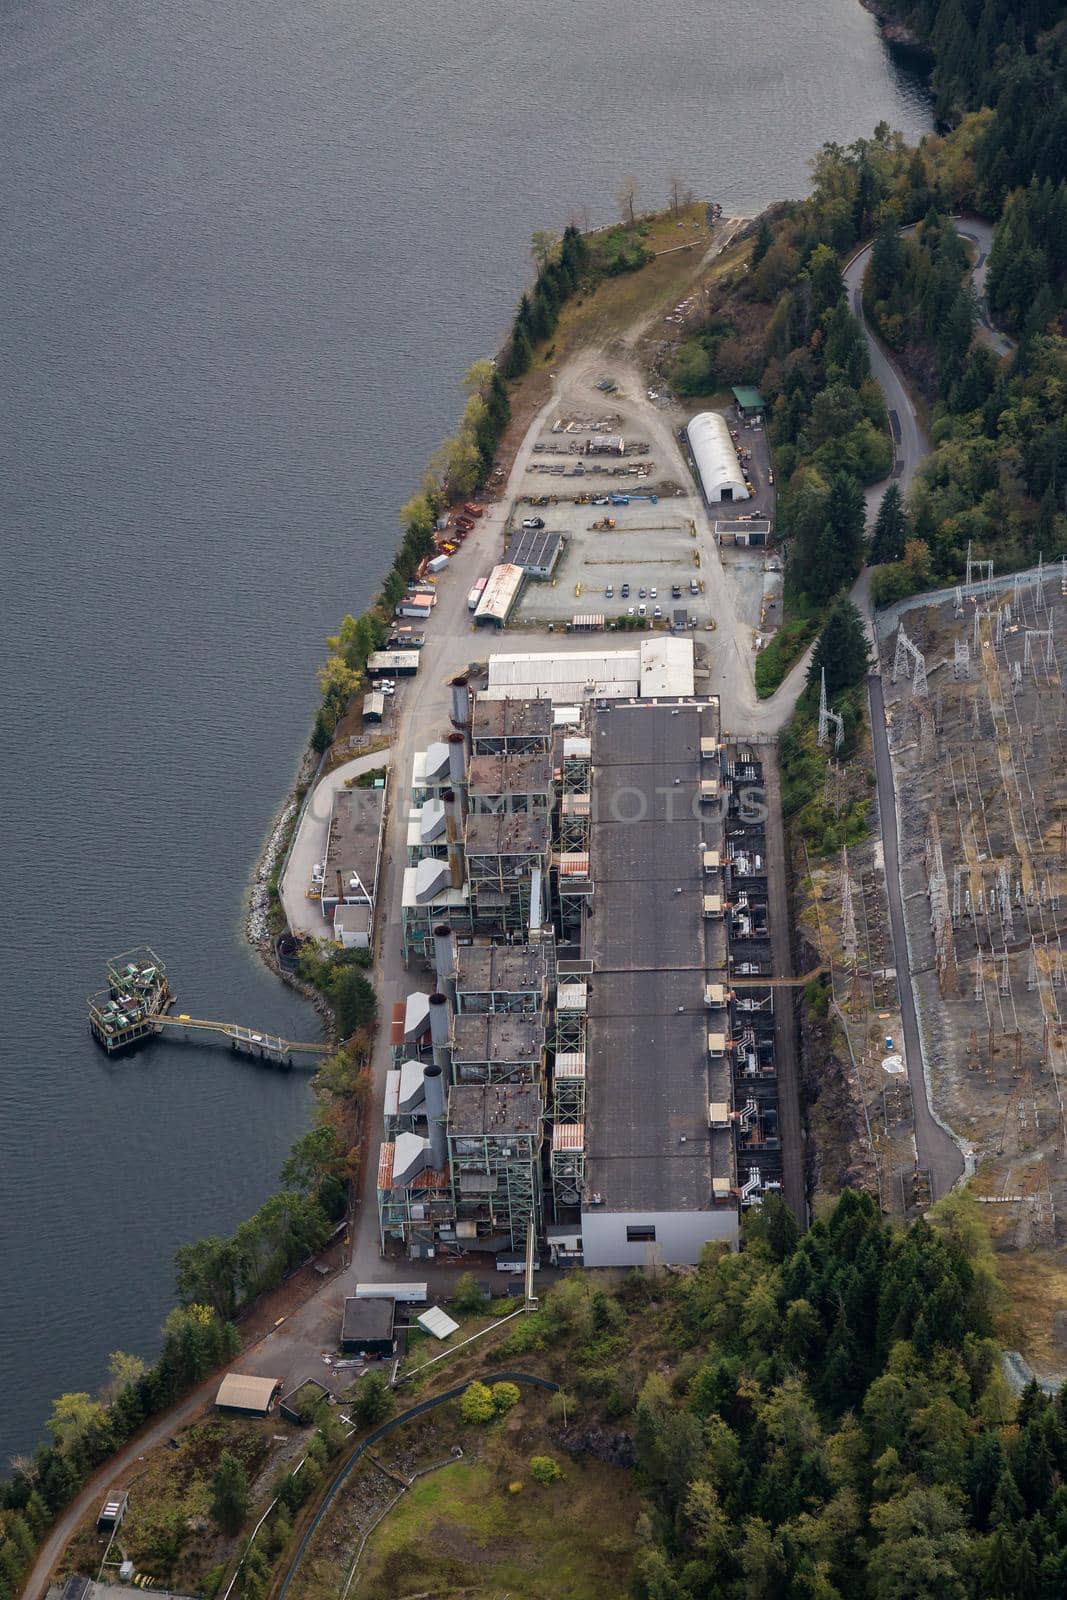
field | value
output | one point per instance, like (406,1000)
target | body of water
(248,252)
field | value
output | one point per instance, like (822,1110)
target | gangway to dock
(249,1041)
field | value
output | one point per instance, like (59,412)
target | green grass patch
(785,648)
(486,1527)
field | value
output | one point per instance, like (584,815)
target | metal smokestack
(462,711)
(440,1032)
(444,953)
(457,768)
(434,1085)
(454,832)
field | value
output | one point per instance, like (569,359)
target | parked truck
(476,593)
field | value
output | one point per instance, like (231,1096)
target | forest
(838,1424)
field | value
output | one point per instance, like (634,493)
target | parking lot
(619,492)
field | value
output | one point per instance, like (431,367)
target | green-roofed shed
(749,401)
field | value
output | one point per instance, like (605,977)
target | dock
(137,1005)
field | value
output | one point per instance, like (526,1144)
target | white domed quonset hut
(716,460)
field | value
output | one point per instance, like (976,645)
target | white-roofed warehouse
(716,460)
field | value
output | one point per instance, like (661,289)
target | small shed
(351,926)
(113,1510)
(368,1327)
(749,401)
(373,706)
(437,1322)
(252,1397)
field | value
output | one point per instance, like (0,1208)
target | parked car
(694,587)
(625,591)
(770,478)
(318,873)
(642,611)
(641,593)
(609,592)
(676,591)
(533,522)
(657,613)
(653,593)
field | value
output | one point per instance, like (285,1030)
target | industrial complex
(591,1056)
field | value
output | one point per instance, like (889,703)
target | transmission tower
(826,717)
(910,660)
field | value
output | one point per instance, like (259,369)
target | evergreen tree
(841,649)
(231,1499)
(891,528)
(764,241)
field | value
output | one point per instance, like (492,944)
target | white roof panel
(437,1322)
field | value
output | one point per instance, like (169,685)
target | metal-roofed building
(749,401)
(566,676)
(241,1392)
(659,1173)
(718,468)
(500,595)
(667,667)
(536,551)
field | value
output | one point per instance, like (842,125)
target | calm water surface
(247,253)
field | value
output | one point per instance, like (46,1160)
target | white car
(533,522)
(318,873)
(653,593)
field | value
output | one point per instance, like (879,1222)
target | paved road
(936,1150)
(309,845)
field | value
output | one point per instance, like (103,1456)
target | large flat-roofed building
(511,782)
(503,977)
(513,726)
(659,665)
(353,849)
(660,1177)
(715,458)
(498,1047)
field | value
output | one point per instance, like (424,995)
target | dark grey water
(247,253)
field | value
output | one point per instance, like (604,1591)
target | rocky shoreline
(896,32)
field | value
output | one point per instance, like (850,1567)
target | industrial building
(715,458)
(368,1327)
(250,1396)
(599,1055)
(536,552)
(500,595)
(660,665)
(659,1174)
(749,402)
(353,849)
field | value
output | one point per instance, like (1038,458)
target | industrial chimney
(444,953)
(454,833)
(435,1117)
(440,1032)
(461,712)
(457,769)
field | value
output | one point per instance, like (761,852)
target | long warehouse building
(660,1176)
(716,460)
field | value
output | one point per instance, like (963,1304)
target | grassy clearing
(467,1527)
(617,303)
(1035,1294)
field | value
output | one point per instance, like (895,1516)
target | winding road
(937,1151)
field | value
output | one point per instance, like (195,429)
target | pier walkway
(267,1046)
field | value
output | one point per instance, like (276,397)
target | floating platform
(137,995)
(136,1006)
